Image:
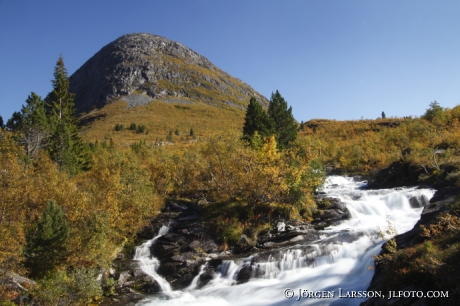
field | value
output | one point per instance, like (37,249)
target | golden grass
(160,118)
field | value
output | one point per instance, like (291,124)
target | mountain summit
(139,68)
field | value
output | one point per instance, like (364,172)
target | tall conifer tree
(66,147)
(60,99)
(257,120)
(285,125)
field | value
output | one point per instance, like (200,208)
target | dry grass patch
(160,119)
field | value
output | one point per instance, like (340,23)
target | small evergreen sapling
(46,243)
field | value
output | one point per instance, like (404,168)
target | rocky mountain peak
(142,67)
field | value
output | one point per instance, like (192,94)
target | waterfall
(335,263)
(149,264)
(195,280)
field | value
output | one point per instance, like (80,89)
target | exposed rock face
(153,67)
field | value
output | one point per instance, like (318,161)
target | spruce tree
(46,244)
(257,120)
(60,99)
(66,148)
(285,125)
(1,122)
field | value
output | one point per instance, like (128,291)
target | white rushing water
(339,260)
(150,264)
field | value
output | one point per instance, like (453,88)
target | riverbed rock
(419,201)
(331,211)
(186,246)
(124,297)
(399,173)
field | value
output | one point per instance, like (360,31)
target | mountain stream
(322,272)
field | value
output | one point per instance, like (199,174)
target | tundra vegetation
(428,145)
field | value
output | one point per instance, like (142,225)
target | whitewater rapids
(334,268)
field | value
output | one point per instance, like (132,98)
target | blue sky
(329,59)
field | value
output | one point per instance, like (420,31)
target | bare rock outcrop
(153,67)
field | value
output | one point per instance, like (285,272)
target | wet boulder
(419,201)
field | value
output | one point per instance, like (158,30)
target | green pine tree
(257,120)
(66,147)
(302,126)
(61,100)
(1,122)
(31,125)
(15,122)
(285,125)
(46,244)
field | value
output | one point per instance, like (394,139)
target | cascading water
(150,264)
(335,264)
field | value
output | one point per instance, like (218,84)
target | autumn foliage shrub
(431,264)
(102,207)
(430,143)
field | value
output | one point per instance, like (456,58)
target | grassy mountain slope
(160,119)
(161,85)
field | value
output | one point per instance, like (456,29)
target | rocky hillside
(139,68)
